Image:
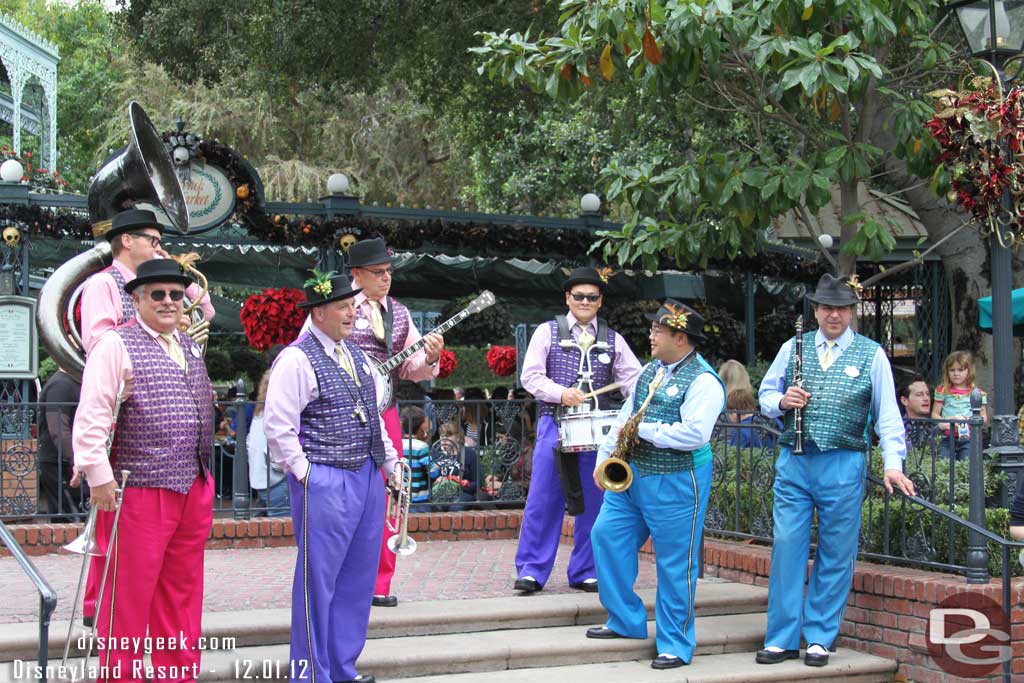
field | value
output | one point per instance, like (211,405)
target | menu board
(19,355)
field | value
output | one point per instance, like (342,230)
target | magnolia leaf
(606,64)
(651,51)
(808,12)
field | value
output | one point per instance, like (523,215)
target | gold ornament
(11,236)
(346,241)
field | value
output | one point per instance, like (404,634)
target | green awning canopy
(1017,303)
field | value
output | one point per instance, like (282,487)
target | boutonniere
(320,283)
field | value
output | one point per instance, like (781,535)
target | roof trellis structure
(24,55)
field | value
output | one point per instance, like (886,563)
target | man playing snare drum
(550,373)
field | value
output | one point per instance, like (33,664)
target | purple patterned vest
(563,367)
(127,306)
(165,428)
(329,429)
(362,334)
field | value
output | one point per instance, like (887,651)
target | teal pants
(669,509)
(830,483)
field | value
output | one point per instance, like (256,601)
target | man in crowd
(323,429)
(383,328)
(916,399)
(163,430)
(58,401)
(674,407)
(847,385)
(551,373)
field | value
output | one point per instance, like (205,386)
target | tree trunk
(849,204)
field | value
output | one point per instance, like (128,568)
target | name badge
(605,358)
(851,371)
(362,323)
(672,391)
(196,352)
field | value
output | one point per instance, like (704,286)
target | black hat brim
(348,294)
(132,285)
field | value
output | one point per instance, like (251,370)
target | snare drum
(584,431)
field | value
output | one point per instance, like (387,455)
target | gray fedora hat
(834,291)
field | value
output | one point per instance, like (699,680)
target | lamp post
(338,202)
(994,30)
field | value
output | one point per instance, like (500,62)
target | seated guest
(744,409)
(916,399)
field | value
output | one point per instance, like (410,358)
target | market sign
(210,197)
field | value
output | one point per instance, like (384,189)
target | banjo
(385,399)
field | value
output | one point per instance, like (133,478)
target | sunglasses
(592,298)
(154,241)
(158,295)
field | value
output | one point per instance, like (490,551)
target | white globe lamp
(11,171)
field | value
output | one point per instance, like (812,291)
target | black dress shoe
(87,621)
(384,601)
(527,585)
(361,679)
(586,586)
(812,659)
(602,633)
(771,657)
(666,662)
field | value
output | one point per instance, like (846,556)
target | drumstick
(603,390)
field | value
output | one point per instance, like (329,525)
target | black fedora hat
(834,291)
(681,317)
(130,220)
(323,288)
(157,270)
(586,276)
(368,253)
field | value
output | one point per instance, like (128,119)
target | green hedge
(472,371)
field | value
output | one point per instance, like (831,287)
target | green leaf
(771,187)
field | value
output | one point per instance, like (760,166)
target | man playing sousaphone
(155,579)
(551,373)
(662,432)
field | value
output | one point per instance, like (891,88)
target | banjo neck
(400,357)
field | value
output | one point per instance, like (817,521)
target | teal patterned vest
(664,408)
(837,415)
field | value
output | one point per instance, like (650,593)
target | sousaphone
(141,173)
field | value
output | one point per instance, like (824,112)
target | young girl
(953,399)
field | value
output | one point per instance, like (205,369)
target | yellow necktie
(827,358)
(174,349)
(376,321)
(585,340)
(345,362)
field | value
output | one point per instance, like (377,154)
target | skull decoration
(11,237)
(346,241)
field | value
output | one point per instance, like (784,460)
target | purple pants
(338,526)
(545,508)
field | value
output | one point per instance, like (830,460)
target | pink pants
(386,568)
(156,582)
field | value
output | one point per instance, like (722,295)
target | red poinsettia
(447,364)
(502,360)
(273,317)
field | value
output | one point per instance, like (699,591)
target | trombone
(86,546)
(397,517)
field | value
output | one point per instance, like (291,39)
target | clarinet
(798,380)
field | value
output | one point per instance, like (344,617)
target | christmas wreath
(273,317)
(502,360)
(981,134)
(447,364)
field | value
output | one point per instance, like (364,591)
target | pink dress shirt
(292,386)
(534,375)
(101,304)
(107,367)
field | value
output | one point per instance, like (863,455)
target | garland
(974,128)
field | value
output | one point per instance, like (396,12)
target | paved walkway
(261,577)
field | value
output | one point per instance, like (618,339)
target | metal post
(241,499)
(977,549)
(749,289)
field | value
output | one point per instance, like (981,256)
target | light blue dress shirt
(885,414)
(705,400)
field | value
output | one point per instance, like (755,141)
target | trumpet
(615,474)
(397,518)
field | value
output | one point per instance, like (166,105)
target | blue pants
(338,530)
(670,509)
(545,509)
(832,484)
(275,499)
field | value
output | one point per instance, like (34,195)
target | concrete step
(846,666)
(272,626)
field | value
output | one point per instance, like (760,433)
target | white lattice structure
(26,55)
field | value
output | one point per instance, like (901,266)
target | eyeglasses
(592,298)
(380,272)
(657,329)
(154,241)
(158,295)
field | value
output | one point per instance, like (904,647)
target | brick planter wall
(263,532)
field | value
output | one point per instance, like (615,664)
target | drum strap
(565,334)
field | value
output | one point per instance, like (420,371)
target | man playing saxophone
(324,430)
(155,580)
(664,430)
